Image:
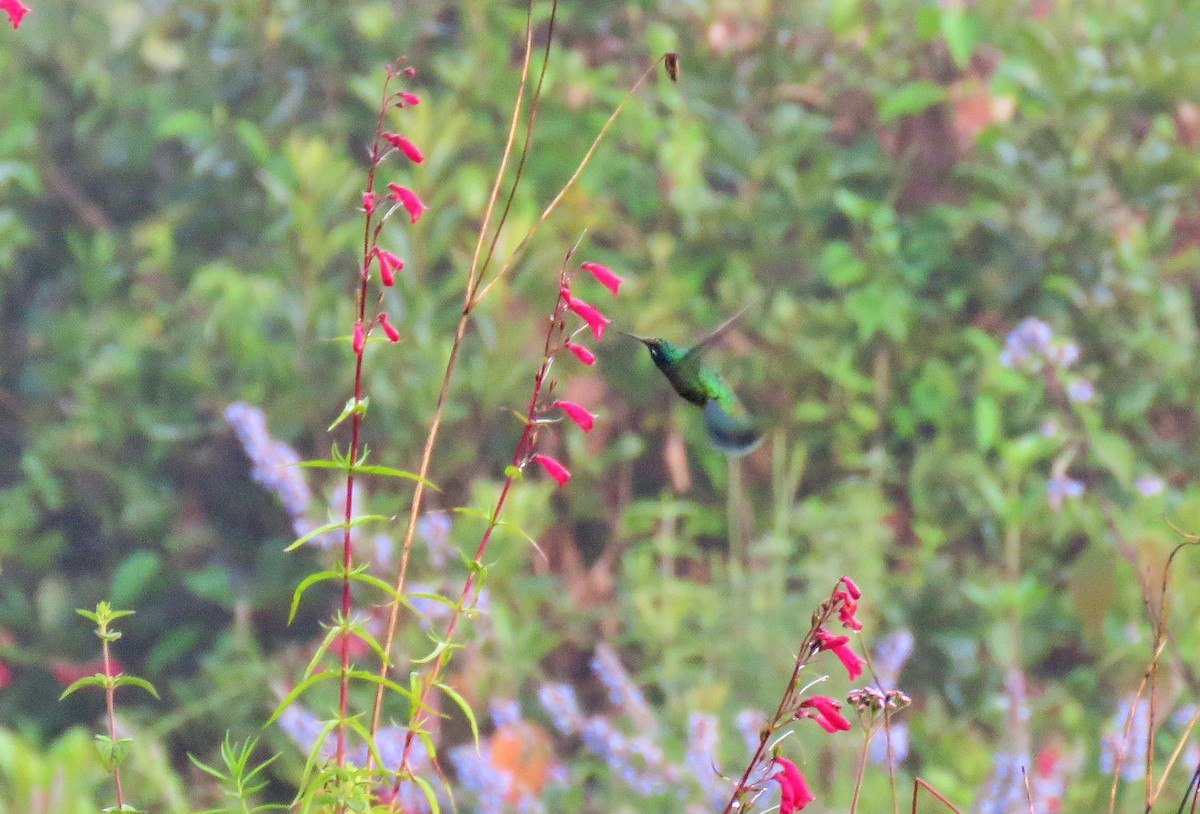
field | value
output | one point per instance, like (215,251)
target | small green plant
(239,779)
(111,749)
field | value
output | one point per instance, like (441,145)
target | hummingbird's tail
(734,435)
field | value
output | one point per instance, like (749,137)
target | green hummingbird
(726,422)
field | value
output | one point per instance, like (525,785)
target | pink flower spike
(605,276)
(577,413)
(829,715)
(852,588)
(388,327)
(410,99)
(360,338)
(582,354)
(554,469)
(389,264)
(15,10)
(405,146)
(408,199)
(590,314)
(369,202)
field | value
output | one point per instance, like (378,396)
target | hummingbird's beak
(643,339)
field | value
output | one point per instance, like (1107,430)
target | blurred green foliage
(889,187)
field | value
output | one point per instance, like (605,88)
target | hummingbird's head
(659,349)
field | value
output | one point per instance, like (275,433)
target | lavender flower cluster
(638,760)
(274,462)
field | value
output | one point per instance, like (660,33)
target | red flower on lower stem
(405,146)
(408,199)
(577,413)
(590,314)
(582,354)
(554,469)
(388,327)
(15,10)
(828,713)
(794,793)
(360,338)
(840,645)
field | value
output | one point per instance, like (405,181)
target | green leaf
(987,422)
(305,584)
(427,790)
(464,706)
(299,690)
(122,679)
(133,576)
(358,521)
(960,29)
(97,680)
(352,407)
(1115,454)
(911,98)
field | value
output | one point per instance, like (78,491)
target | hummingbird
(726,422)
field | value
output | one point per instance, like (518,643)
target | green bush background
(888,187)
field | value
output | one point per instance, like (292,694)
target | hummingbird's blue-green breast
(726,423)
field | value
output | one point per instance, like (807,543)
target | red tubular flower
(554,469)
(847,607)
(582,354)
(388,327)
(368,202)
(828,713)
(840,645)
(604,275)
(794,792)
(15,10)
(577,413)
(852,588)
(5,675)
(360,338)
(590,314)
(410,99)
(409,199)
(389,264)
(405,146)
(409,71)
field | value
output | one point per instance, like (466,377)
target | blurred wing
(707,342)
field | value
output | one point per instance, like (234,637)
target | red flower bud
(582,354)
(577,413)
(368,202)
(852,587)
(405,146)
(388,327)
(410,99)
(389,264)
(554,469)
(360,338)
(604,276)
(408,199)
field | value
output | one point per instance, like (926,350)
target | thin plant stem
(919,784)
(110,703)
(861,771)
(439,409)
(587,157)
(1187,732)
